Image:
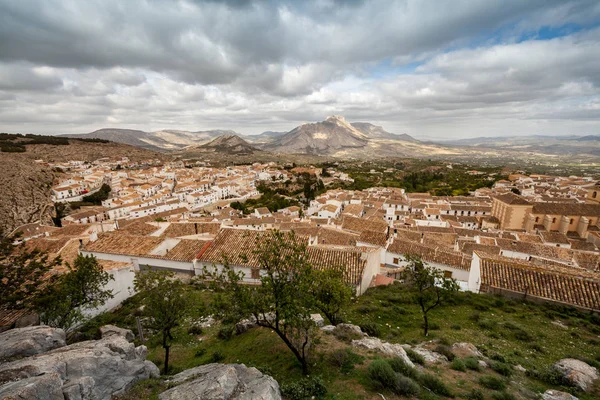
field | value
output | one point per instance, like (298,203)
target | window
(255,274)
(571,221)
(395,260)
(447,274)
(537,219)
(594,195)
(553,220)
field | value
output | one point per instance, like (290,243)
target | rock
(577,373)
(108,330)
(551,394)
(560,324)
(429,356)
(328,328)
(348,329)
(222,382)
(25,342)
(46,387)
(557,395)
(206,322)
(104,368)
(483,364)
(520,368)
(244,325)
(464,349)
(376,344)
(318,319)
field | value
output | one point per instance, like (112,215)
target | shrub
(434,384)
(306,388)
(195,330)
(226,332)
(456,327)
(503,396)
(445,350)
(345,359)
(200,352)
(458,365)
(398,365)
(486,324)
(475,394)
(548,375)
(472,363)
(502,368)
(404,386)
(370,328)
(497,357)
(415,357)
(382,374)
(492,382)
(475,317)
(523,336)
(217,356)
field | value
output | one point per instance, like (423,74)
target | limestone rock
(222,382)
(108,330)
(376,344)
(92,369)
(557,395)
(29,341)
(43,387)
(577,373)
(429,356)
(328,328)
(464,349)
(483,364)
(520,368)
(349,329)
(318,319)
(244,325)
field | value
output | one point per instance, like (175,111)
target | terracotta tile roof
(431,254)
(72,230)
(469,248)
(587,210)
(564,285)
(589,261)
(440,239)
(582,245)
(185,250)
(139,228)
(49,245)
(554,237)
(177,229)
(360,224)
(523,237)
(119,243)
(512,198)
(337,237)
(409,235)
(540,250)
(372,237)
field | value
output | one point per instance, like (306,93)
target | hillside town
(540,244)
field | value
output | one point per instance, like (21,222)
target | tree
(432,288)
(165,304)
(281,302)
(65,297)
(330,293)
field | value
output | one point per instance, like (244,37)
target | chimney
(93,236)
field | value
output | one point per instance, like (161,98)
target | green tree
(66,297)
(165,304)
(431,286)
(330,293)
(281,303)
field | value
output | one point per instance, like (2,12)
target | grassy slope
(520,332)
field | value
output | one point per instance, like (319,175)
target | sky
(434,69)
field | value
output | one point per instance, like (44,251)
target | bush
(434,384)
(399,366)
(345,359)
(445,350)
(415,357)
(456,327)
(497,357)
(502,368)
(404,386)
(475,394)
(382,374)
(492,382)
(217,356)
(458,365)
(475,317)
(472,363)
(306,388)
(503,396)
(200,352)
(523,336)
(548,375)
(370,328)
(226,332)
(195,330)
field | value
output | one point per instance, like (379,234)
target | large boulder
(29,341)
(43,387)
(464,349)
(378,345)
(348,330)
(557,395)
(578,373)
(108,330)
(87,370)
(222,382)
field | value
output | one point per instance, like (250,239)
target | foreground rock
(578,373)
(222,382)
(109,330)
(557,395)
(87,370)
(376,344)
(25,342)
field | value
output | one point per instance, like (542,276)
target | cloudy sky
(432,69)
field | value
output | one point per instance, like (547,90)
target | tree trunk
(426,324)
(166,359)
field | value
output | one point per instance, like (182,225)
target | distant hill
(590,138)
(377,132)
(265,137)
(126,136)
(228,144)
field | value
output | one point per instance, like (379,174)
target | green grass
(390,311)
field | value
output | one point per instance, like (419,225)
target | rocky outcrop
(378,345)
(222,382)
(25,342)
(109,330)
(464,349)
(430,357)
(348,330)
(557,395)
(578,373)
(86,370)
